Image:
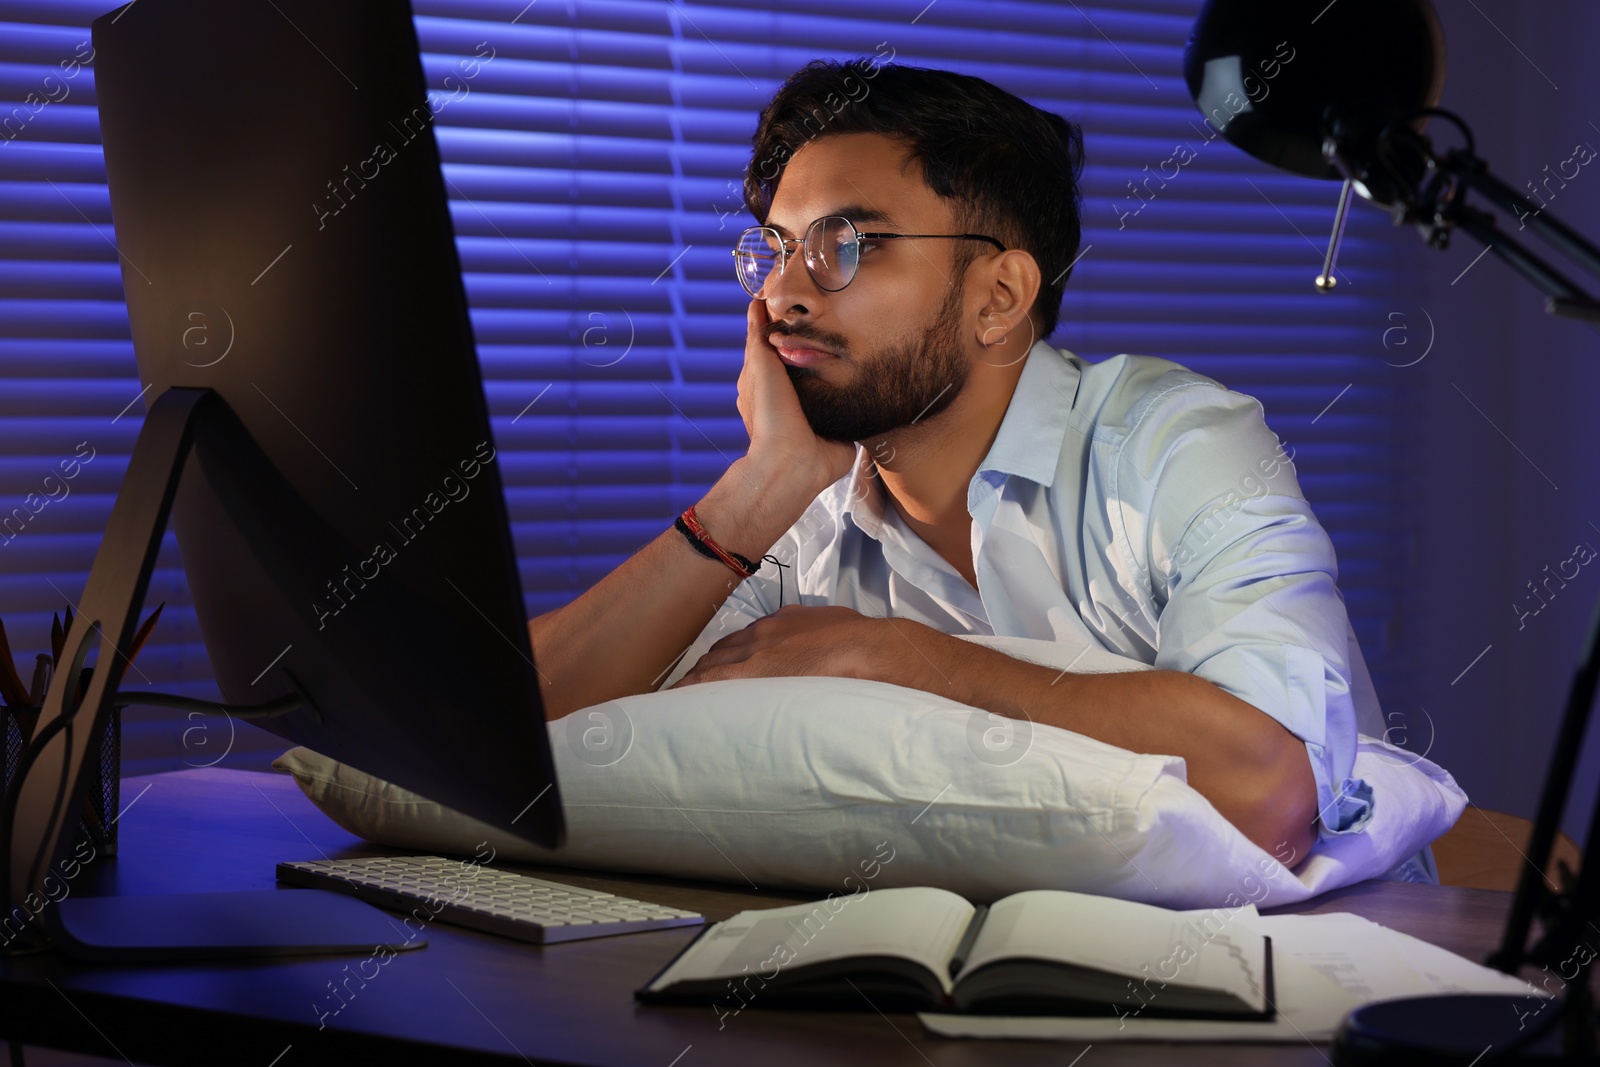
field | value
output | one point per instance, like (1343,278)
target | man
(922,467)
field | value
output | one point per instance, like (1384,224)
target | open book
(1043,952)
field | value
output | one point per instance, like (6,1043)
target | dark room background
(1438,421)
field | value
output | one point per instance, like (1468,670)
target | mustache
(804,332)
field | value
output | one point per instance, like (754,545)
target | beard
(911,380)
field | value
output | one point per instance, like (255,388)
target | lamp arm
(1474,173)
(1534,899)
(1565,297)
(1430,190)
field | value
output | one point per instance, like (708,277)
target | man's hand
(779,433)
(794,640)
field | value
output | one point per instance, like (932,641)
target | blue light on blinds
(593,169)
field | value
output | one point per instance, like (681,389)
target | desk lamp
(1342,91)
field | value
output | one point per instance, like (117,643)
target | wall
(1507,471)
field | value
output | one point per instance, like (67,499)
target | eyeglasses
(831,247)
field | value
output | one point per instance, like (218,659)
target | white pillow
(804,782)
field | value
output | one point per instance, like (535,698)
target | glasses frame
(783,254)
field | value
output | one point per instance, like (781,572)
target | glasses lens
(754,257)
(832,251)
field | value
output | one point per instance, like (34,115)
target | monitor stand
(248,922)
(42,807)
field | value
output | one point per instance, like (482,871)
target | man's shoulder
(1138,413)
(1115,395)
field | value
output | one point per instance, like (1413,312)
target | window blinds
(593,159)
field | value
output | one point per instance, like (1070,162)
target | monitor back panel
(285,238)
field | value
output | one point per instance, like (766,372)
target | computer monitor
(316,417)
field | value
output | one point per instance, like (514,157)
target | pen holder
(102,775)
(103,757)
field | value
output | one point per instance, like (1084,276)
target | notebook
(1042,952)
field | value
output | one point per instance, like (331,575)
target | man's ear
(1005,329)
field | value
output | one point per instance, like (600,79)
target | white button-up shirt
(1133,503)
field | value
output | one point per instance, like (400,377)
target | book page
(1324,966)
(1153,946)
(919,924)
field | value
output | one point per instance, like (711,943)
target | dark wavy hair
(1010,169)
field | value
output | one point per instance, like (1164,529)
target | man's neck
(926,467)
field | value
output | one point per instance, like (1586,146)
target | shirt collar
(1027,445)
(863,495)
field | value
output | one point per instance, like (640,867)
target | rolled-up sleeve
(1248,578)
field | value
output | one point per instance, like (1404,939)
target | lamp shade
(1277,77)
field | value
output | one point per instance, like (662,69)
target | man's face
(890,348)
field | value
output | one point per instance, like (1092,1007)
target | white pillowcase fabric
(804,782)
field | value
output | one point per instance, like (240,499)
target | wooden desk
(473,998)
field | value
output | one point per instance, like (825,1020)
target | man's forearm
(623,635)
(1253,770)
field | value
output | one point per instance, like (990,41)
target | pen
(965,946)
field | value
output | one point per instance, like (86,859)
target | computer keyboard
(485,898)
